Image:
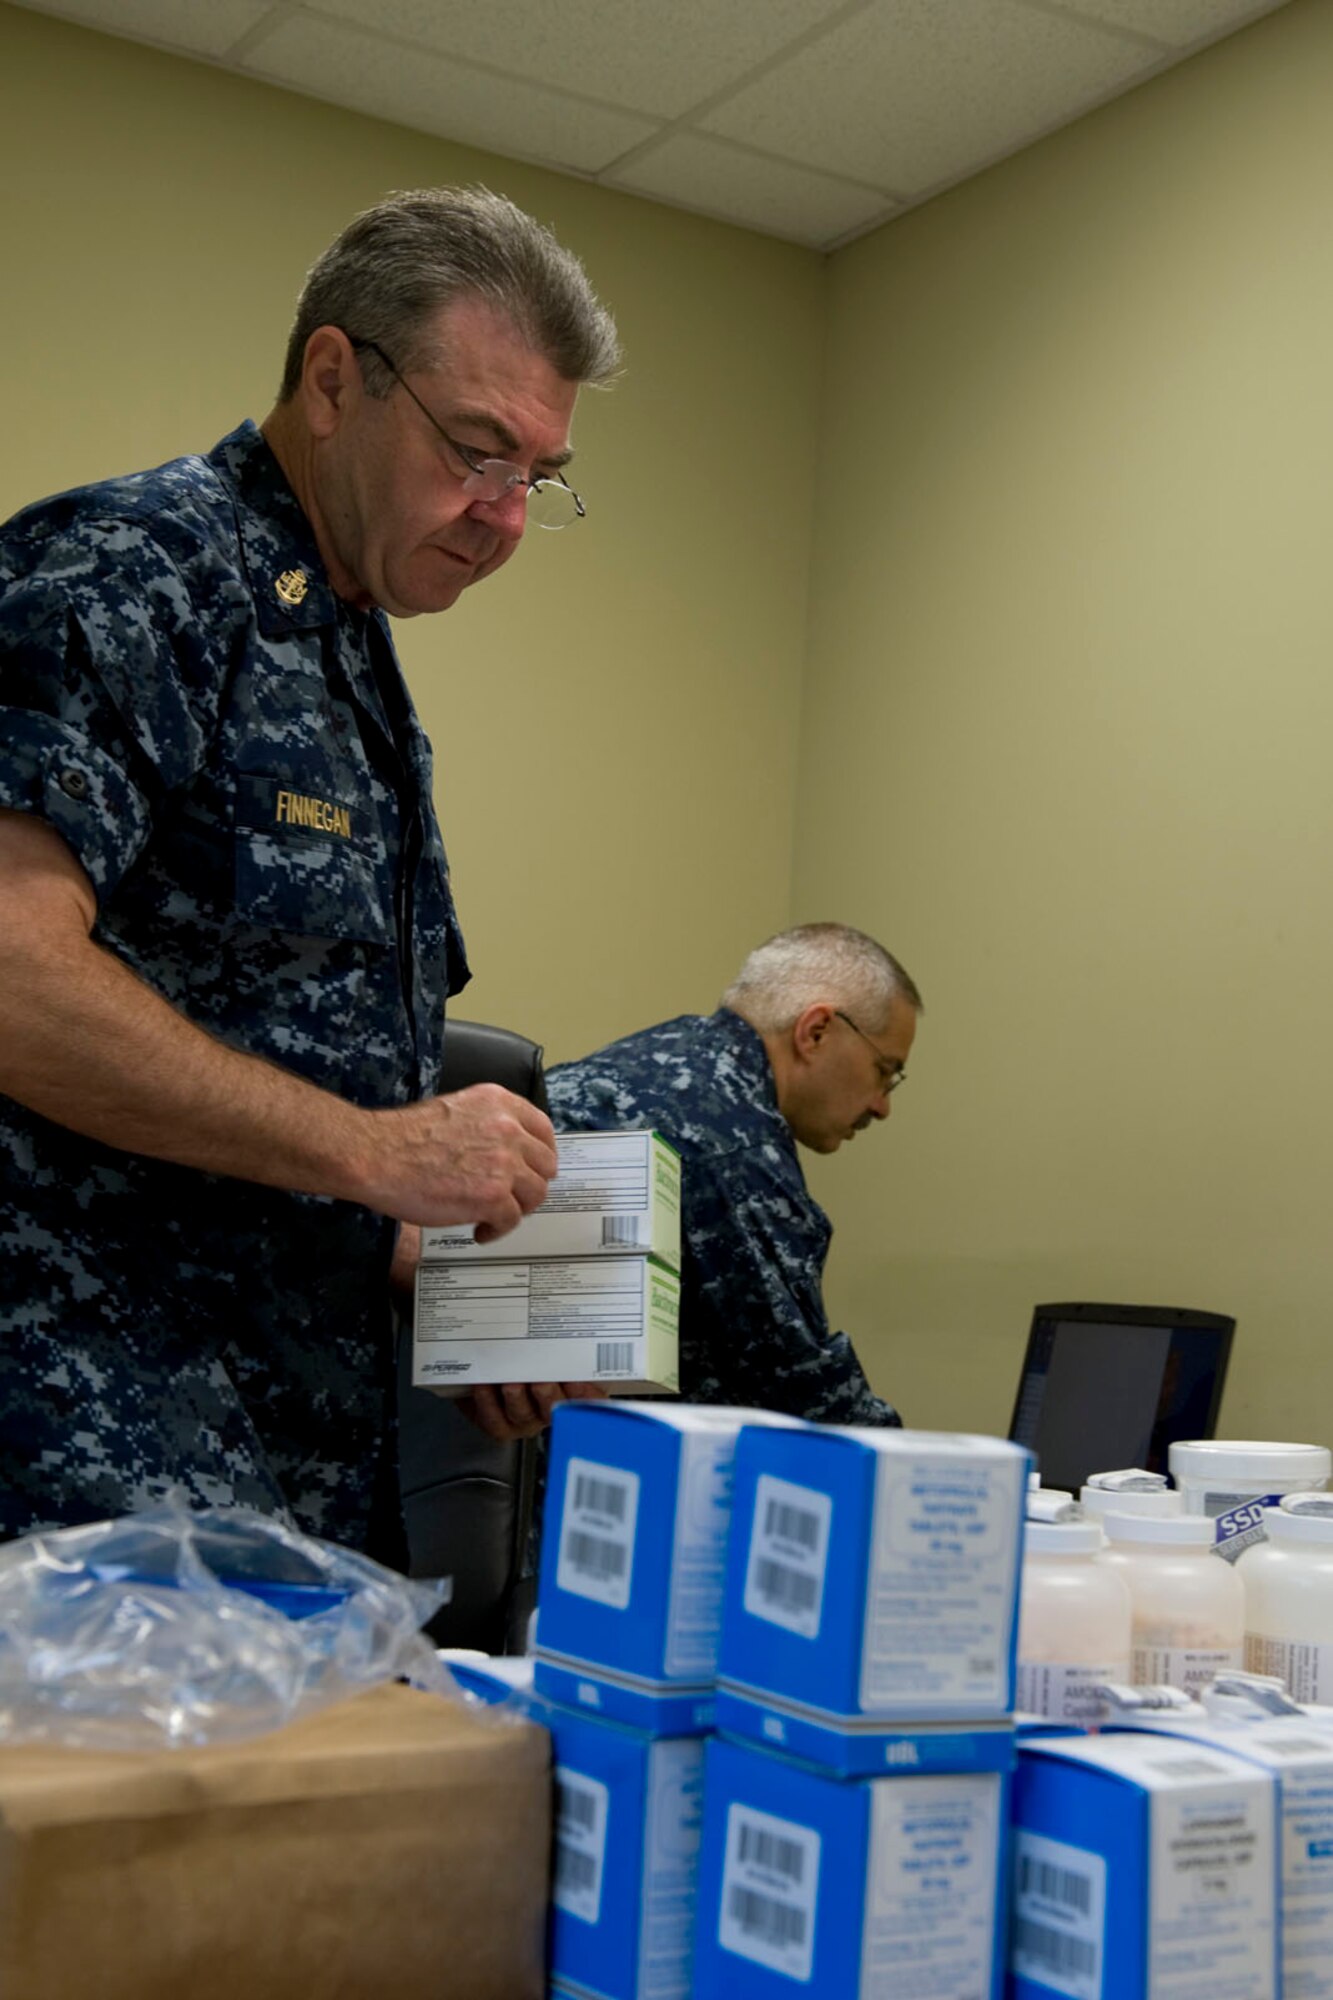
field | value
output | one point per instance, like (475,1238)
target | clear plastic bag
(174,1627)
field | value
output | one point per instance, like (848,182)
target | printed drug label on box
(580,1843)
(942,1578)
(1146,1869)
(585,1319)
(597,1532)
(629,1812)
(770,1881)
(1059,1916)
(931,1911)
(615,1193)
(860,1889)
(784,1579)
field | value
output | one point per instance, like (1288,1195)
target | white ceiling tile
(641,54)
(348,66)
(197,30)
(1181,24)
(910,94)
(903,95)
(691,171)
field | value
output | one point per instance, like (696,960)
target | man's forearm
(85,1043)
(89,1045)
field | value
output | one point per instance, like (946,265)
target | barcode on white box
(1070,1886)
(1056,1951)
(789,1532)
(597,1525)
(1059,1916)
(580,1843)
(615,1358)
(623,1229)
(770,1882)
(1184,1767)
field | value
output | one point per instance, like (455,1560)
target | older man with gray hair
(227,930)
(807,1047)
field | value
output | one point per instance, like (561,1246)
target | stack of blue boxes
(634,1551)
(744,1624)
(856,1795)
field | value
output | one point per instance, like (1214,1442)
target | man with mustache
(808,1045)
(226,925)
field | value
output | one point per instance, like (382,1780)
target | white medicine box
(616,1194)
(1298,1750)
(872,1581)
(1145,1868)
(628,1809)
(816,1888)
(629,1606)
(610,1320)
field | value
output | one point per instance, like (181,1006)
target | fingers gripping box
(872,1583)
(1144,1869)
(812,1888)
(615,1194)
(638,1505)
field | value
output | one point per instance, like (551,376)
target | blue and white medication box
(628,1812)
(872,1581)
(811,1888)
(1297,1749)
(492,1678)
(628,1817)
(638,1503)
(1145,1868)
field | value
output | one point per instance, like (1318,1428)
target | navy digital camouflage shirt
(230,752)
(752,1323)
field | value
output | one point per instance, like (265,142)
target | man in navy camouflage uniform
(226,927)
(807,1046)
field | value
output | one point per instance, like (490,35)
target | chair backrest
(466,1500)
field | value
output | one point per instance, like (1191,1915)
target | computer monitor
(1108,1386)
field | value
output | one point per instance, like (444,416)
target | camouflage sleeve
(762,1336)
(105,700)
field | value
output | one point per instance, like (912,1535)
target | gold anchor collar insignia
(292,586)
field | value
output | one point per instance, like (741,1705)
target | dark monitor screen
(1110,1386)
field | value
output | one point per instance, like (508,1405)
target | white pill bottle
(1235,1479)
(1288,1582)
(1073,1624)
(1189,1609)
(1097,1501)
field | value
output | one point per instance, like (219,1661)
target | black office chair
(467,1501)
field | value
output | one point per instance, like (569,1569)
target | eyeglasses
(889,1072)
(552,503)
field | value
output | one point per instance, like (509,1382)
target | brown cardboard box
(392,1848)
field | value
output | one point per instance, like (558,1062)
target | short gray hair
(395,266)
(832,962)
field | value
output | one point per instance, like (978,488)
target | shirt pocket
(309,864)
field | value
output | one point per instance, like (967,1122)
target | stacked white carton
(586,1289)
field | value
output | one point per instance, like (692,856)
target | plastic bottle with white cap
(1130,1492)
(1235,1479)
(1288,1582)
(1074,1622)
(1189,1610)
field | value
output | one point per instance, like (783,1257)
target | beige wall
(1068,733)
(1066,699)
(615,716)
